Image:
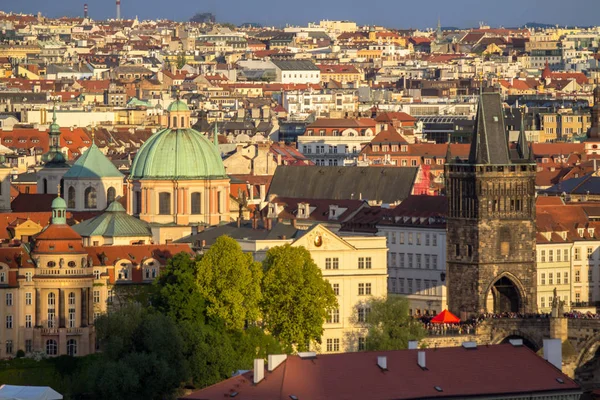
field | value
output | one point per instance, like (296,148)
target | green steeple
(59,211)
(54,157)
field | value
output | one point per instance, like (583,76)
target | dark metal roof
(490,140)
(245,231)
(385,184)
(295,65)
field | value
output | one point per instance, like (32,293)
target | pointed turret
(448,154)
(522,146)
(490,142)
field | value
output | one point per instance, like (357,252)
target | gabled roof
(488,371)
(387,185)
(93,165)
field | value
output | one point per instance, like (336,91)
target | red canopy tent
(445,317)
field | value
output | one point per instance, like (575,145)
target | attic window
(560,380)
(439,389)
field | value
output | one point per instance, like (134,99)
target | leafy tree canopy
(296,298)
(389,324)
(229,280)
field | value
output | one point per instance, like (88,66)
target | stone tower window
(505,239)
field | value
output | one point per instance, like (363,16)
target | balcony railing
(61,271)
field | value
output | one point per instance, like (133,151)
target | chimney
(413,344)
(275,360)
(382,362)
(421,360)
(553,352)
(259,370)
(118,10)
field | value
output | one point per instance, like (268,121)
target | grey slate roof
(385,184)
(245,231)
(585,185)
(490,140)
(295,65)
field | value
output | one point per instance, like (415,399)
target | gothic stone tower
(491,220)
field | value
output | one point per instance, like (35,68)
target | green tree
(389,324)
(180,61)
(229,280)
(142,356)
(177,293)
(296,298)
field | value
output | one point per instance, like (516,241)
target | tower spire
(522,146)
(216,136)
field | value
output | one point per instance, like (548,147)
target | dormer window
(580,232)
(375,147)
(591,231)
(404,148)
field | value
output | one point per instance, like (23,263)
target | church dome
(177,106)
(178,154)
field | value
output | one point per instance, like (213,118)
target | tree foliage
(296,298)
(389,324)
(229,280)
(142,356)
(177,293)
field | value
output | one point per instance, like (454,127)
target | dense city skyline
(386,12)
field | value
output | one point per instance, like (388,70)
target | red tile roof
(30,138)
(58,239)
(488,371)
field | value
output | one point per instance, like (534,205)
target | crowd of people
(469,327)
(580,315)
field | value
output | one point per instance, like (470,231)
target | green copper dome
(177,105)
(91,165)
(178,154)
(114,222)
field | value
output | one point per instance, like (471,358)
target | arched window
(90,197)
(51,264)
(45,184)
(164,203)
(72,264)
(71,197)
(111,194)
(196,203)
(175,122)
(72,347)
(183,122)
(51,347)
(51,299)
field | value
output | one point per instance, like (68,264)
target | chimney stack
(259,370)
(85,10)
(553,352)
(421,360)
(118,10)
(275,360)
(382,362)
